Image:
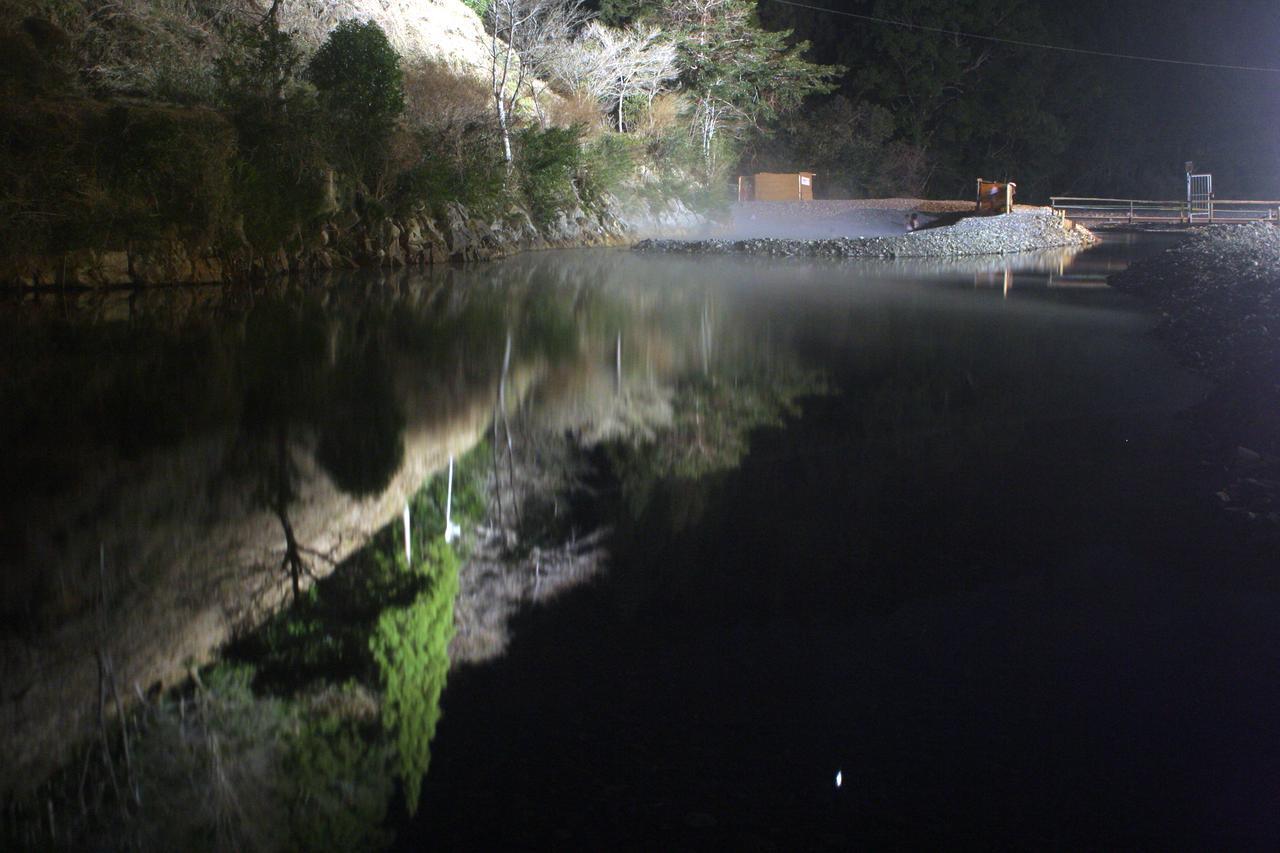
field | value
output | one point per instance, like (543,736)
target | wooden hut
(775,186)
(995,196)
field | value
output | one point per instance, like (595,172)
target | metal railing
(1117,211)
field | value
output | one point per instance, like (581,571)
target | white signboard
(804,182)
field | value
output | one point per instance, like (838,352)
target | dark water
(979,581)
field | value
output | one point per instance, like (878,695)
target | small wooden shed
(995,196)
(776,186)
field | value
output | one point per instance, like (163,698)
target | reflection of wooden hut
(995,196)
(773,186)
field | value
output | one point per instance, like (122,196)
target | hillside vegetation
(153,142)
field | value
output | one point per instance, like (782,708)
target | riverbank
(1218,295)
(269,170)
(1023,230)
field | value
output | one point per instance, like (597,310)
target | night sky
(1226,121)
(1132,124)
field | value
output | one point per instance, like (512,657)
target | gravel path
(1022,231)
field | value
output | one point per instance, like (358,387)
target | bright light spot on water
(839,778)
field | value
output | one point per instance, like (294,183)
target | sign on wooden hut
(774,186)
(995,196)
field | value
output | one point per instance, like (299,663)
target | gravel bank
(1218,294)
(1021,231)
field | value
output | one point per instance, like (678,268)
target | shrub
(117,174)
(464,167)
(337,768)
(35,59)
(576,109)
(549,162)
(436,98)
(160,50)
(456,147)
(277,176)
(606,163)
(357,73)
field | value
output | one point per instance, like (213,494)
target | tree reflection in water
(316,401)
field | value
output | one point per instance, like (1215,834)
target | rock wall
(346,240)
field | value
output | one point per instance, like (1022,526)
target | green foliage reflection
(411,647)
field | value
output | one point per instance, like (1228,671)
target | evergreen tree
(739,74)
(972,107)
(361,91)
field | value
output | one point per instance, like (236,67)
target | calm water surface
(972,595)
(977,583)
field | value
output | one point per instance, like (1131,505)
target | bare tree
(612,65)
(524,38)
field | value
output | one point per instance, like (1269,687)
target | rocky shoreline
(1020,231)
(347,240)
(1218,296)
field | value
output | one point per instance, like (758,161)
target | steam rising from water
(819,220)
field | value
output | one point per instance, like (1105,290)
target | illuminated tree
(525,36)
(612,65)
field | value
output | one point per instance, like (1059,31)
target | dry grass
(576,110)
(666,113)
(436,97)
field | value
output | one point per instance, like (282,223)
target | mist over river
(895,552)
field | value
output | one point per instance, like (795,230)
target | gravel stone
(1020,231)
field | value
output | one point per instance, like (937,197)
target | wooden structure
(995,196)
(774,186)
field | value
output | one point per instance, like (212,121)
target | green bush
(549,161)
(469,500)
(357,73)
(339,778)
(472,174)
(607,162)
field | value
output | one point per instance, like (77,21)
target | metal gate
(1199,198)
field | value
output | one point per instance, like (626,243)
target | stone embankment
(1022,231)
(1218,295)
(347,241)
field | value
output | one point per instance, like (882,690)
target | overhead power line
(1020,43)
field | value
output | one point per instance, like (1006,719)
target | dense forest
(916,108)
(273,131)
